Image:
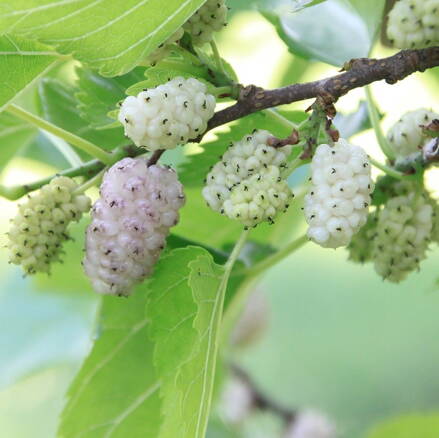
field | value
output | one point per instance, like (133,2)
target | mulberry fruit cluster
(247,184)
(403,234)
(210,18)
(336,206)
(130,224)
(406,136)
(40,227)
(414,24)
(167,115)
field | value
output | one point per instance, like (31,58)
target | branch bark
(358,73)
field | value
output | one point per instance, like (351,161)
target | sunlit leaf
(186,301)
(116,393)
(21,62)
(110,35)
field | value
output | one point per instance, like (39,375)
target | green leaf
(116,393)
(14,135)
(59,106)
(354,122)
(109,35)
(98,95)
(185,308)
(324,41)
(21,62)
(408,426)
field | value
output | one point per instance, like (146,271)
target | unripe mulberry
(247,184)
(130,224)
(406,136)
(402,236)
(167,115)
(40,227)
(361,245)
(164,48)
(336,206)
(413,24)
(211,17)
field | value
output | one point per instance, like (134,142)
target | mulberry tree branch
(357,73)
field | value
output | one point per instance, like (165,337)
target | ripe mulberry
(131,221)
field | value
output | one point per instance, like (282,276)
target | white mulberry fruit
(406,136)
(167,115)
(131,221)
(247,184)
(402,236)
(336,206)
(211,17)
(40,227)
(413,24)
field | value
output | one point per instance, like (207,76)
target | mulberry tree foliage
(186,185)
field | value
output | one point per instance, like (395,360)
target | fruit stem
(386,169)
(79,142)
(375,120)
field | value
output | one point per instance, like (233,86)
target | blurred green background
(339,339)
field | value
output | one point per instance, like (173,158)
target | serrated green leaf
(59,106)
(116,393)
(409,426)
(21,62)
(323,42)
(97,96)
(185,308)
(14,135)
(110,35)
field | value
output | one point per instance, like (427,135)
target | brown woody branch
(358,73)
